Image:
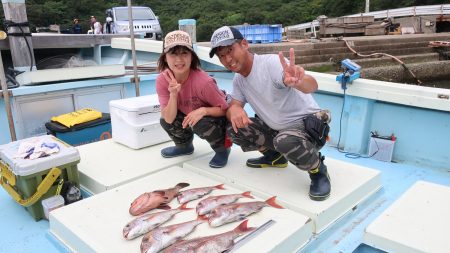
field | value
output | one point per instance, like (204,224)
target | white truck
(144,20)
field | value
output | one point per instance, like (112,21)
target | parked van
(144,20)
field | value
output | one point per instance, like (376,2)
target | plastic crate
(276,31)
(29,174)
(261,33)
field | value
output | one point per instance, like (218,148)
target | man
(288,122)
(109,27)
(76,26)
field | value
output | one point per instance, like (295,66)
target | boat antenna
(134,80)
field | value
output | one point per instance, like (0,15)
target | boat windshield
(138,14)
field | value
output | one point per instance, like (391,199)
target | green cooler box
(29,181)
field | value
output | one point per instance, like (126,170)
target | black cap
(224,36)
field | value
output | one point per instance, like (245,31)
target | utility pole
(367,6)
(19,35)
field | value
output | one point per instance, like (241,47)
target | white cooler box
(135,121)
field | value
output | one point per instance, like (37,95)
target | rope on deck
(384,54)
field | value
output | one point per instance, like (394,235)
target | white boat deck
(107,164)
(95,224)
(417,222)
(350,185)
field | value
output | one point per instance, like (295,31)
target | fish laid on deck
(147,222)
(162,237)
(211,244)
(207,205)
(238,211)
(196,193)
(155,199)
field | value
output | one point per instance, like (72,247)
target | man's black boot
(270,158)
(320,187)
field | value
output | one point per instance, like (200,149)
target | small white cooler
(135,121)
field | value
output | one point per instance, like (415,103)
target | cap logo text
(221,36)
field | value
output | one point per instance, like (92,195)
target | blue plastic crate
(261,33)
(276,30)
(242,29)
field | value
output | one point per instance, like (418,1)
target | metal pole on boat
(5,92)
(367,6)
(135,80)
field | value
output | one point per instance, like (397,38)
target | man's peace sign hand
(293,75)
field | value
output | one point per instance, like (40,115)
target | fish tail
(242,228)
(183,207)
(182,185)
(220,186)
(247,195)
(271,202)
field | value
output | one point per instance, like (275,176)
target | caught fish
(210,244)
(147,222)
(207,205)
(155,199)
(238,211)
(162,237)
(196,193)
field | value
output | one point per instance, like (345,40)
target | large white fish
(210,244)
(196,193)
(238,211)
(162,237)
(207,205)
(155,199)
(147,222)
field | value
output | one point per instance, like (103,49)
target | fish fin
(179,198)
(183,207)
(159,192)
(247,195)
(242,228)
(203,217)
(164,206)
(220,186)
(271,202)
(182,185)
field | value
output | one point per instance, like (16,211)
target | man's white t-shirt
(280,107)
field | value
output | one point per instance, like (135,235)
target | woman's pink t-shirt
(199,90)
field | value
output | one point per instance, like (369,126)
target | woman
(190,101)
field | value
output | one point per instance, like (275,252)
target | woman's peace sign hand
(174,86)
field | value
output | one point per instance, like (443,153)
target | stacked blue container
(261,33)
